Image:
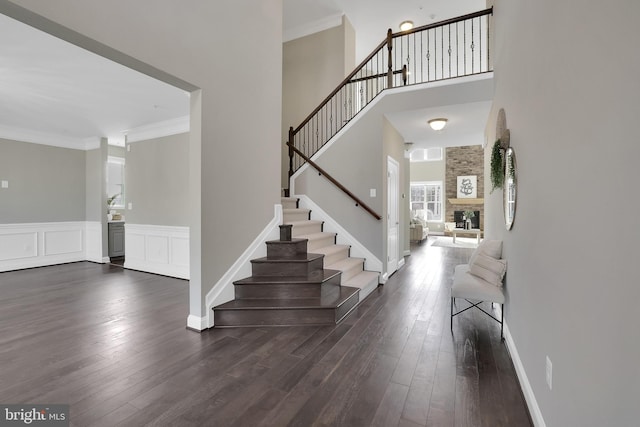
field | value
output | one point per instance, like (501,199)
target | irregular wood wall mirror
(510,187)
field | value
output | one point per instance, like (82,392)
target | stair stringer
(358,250)
(223,290)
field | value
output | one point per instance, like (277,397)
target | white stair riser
(335,257)
(370,287)
(299,215)
(310,228)
(288,203)
(349,273)
(320,243)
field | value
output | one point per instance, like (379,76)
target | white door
(393,215)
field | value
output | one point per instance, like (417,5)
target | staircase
(305,279)
(336,257)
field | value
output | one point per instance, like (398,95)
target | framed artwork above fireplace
(468,187)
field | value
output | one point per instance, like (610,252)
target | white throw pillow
(492,248)
(488,268)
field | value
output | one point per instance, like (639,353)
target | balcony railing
(453,48)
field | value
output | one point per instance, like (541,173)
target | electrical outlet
(549,373)
(372,192)
(5,184)
(130,205)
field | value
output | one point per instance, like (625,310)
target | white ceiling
(56,93)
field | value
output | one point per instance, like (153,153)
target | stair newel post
(390,59)
(285,232)
(290,144)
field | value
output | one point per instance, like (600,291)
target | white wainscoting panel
(157,249)
(63,242)
(39,244)
(18,245)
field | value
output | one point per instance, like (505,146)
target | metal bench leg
(452,314)
(502,322)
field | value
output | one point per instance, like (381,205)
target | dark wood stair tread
(315,277)
(333,300)
(293,259)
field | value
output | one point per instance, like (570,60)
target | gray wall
(46,184)
(157,181)
(570,90)
(312,67)
(236,86)
(95,184)
(356,161)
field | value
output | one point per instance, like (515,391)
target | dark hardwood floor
(112,343)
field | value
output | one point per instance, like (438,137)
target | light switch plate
(130,206)
(372,192)
(5,184)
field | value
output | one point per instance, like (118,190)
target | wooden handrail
(478,14)
(336,183)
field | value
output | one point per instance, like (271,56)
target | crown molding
(44,138)
(154,130)
(158,130)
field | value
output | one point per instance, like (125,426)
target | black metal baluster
(480,41)
(488,43)
(464,42)
(421,62)
(449,51)
(442,52)
(473,69)
(414,59)
(428,59)
(457,52)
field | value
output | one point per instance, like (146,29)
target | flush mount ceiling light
(406,25)
(437,124)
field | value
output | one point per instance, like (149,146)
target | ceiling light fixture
(406,25)
(437,124)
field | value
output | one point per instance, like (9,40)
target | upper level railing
(453,48)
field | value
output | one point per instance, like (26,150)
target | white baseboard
(157,249)
(529,396)
(383,278)
(31,245)
(358,250)
(197,323)
(223,290)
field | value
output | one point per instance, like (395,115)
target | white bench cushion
(466,285)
